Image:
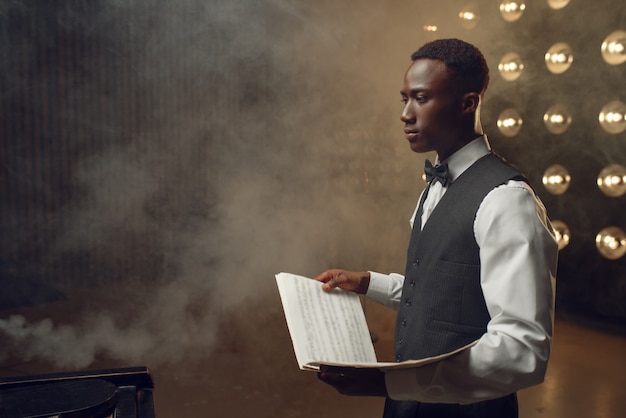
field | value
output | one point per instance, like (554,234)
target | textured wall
(172,156)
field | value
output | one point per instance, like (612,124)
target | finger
(333,283)
(325,276)
(333,279)
(329,285)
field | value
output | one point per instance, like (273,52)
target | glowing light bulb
(469,16)
(511,66)
(559,58)
(562,233)
(612,117)
(510,122)
(557,119)
(611,242)
(614,48)
(558,4)
(612,180)
(556,179)
(511,10)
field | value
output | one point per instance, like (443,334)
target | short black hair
(461,58)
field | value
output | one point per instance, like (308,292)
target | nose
(407,116)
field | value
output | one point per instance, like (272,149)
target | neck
(464,139)
(478,127)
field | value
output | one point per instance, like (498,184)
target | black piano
(114,393)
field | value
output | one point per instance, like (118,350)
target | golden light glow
(469,16)
(559,58)
(612,117)
(512,10)
(612,180)
(510,122)
(511,66)
(556,179)
(558,4)
(557,119)
(614,48)
(561,230)
(611,242)
(430,28)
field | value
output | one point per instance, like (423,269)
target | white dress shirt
(518,255)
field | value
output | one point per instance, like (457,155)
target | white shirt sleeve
(385,289)
(518,255)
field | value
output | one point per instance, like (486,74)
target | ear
(471,101)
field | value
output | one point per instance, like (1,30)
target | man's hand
(347,280)
(354,381)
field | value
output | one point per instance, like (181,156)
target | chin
(417,148)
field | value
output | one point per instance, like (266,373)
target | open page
(394,365)
(325,327)
(329,328)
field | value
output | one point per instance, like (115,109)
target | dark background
(161,161)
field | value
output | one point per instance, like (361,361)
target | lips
(409,134)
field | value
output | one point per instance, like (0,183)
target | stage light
(614,48)
(469,16)
(562,233)
(559,58)
(556,179)
(611,242)
(612,117)
(612,180)
(511,66)
(510,122)
(558,4)
(512,10)
(557,119)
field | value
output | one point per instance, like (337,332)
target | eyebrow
(413,91)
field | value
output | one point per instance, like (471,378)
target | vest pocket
(456,298)
(456,329)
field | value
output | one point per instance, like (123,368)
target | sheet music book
(329,328)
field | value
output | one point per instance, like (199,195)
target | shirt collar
(462,159)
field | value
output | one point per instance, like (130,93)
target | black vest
(442,306)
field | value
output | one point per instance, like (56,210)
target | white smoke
(259,138)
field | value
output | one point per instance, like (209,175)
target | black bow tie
(438,173)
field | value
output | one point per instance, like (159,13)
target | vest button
(398,358)
(407,302)
(400,341)
(412,283)
(403,323)
(416,262)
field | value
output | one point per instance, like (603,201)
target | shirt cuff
(378,289)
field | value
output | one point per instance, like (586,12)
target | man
(481,262)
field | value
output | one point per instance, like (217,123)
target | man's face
(433,108)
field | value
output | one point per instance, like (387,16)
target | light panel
(562,233)
(611,242)
(612,180)
(511,66)
(512,10)
(612,117)
(469,15)
(559,58)
(510,122)
(613,48)
(557,119)
(556,179)
(558,4)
